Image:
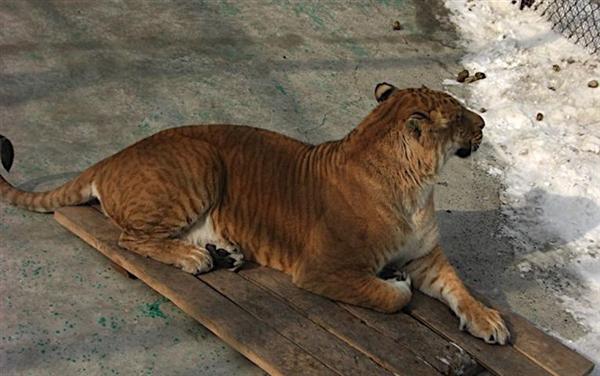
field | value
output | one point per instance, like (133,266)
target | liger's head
(432,118)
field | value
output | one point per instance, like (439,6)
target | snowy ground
(550,167)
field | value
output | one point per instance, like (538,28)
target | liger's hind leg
(189,258)
(177,183)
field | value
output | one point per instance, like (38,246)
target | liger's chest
(419,235)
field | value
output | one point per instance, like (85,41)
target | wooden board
(546,351)
(541,348)
(500,360)
(387,348)
(286,330)
(332,351)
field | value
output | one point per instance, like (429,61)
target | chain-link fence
(578,20)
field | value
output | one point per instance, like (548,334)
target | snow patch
(551,167)
(524,267)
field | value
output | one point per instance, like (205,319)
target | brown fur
(331,215)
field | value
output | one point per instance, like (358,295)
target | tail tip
(7,153)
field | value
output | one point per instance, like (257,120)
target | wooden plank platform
(289,331)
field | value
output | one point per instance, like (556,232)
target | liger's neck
(392,159)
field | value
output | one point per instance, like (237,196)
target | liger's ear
(383,91)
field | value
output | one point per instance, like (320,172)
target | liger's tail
(74,192)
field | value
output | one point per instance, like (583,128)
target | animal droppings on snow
(462,75)
(476,77)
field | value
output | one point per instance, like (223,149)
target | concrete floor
(81,80)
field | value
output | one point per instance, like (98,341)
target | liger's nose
(476,120)
(479,122)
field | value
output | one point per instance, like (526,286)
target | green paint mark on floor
(312,11)
(34,56)
(144,126)
(358,50)
(395,3)
(228,8)
(30,269)
(114,324)
(280,89)
(153,309)
(204,115)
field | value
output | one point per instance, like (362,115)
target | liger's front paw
(401,280)
(485,323)
(231,259)
(195,261)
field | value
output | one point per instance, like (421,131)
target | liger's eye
(422,115)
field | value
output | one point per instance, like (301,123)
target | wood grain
(274,312)
(541,348)
(447,357)
(499,360)
(546,351)
(393,355)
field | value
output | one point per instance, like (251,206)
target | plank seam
(502,309)
(364,322)
(328,330)
(271,326)
(335,333)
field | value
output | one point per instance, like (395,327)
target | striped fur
(331,215)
